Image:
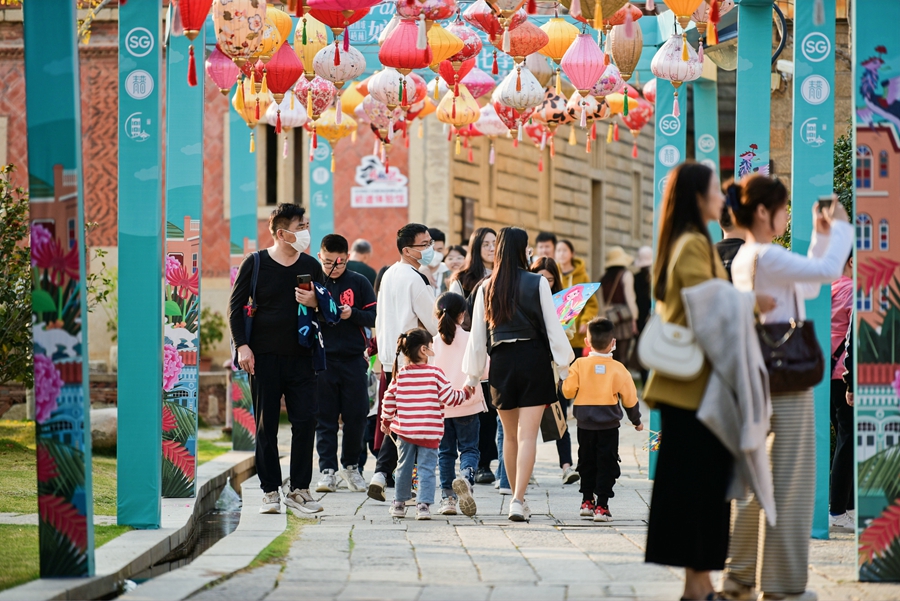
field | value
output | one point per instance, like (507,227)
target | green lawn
(19,552)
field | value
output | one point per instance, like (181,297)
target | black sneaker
(484,476)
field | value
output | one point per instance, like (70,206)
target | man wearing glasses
(273,356)
(344,386)
(406,298)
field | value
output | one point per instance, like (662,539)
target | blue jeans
(501,470)
(427,462)
(460,433)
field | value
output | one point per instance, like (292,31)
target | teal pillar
(752,108)
(706,132)
(669,148)
(181,298)
(321,195)
(812,164)
(140,269)
(242,194)
(62,400)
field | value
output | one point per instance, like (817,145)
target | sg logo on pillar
(669,125)
(139,42)
(816,47)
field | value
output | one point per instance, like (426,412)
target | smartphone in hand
(825,202)
(304,282)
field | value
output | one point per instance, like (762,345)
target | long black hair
(473,270)
(688,183)
(548,264)
(511,257)
(448,307)
(409,343)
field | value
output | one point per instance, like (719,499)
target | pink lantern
(406,47)
(222,70)
(319,94)
(481,15)
(478,82)
(433,10)
(341,5)
(583,63)
(650,91)
(609,83)
(471,41)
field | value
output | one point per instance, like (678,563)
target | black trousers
(343,396)
(598,463)
(387,454)
(293,378)
(487,433)
(842,464)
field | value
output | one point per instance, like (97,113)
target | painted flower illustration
(47,384)
(187,283)
(234,273)
(236,392)
(172,365)
(172,263)
(47,253)
(896,383)
(255,23)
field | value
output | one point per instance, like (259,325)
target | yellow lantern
(561,34)
(683,9)
(328,127)
(250,106)
(282,22)
(350,98)
(273,34)
(458,111)
(443,45)
(309,37)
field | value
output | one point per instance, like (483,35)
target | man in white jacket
(407,299)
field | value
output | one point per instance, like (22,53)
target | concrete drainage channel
(189,527)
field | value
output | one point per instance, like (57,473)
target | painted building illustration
(56,207)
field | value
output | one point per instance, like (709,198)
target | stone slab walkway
(357,551)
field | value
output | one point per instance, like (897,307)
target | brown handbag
(791,351)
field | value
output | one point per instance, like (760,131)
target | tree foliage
(16,351)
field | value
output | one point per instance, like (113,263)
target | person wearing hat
(642,292)
(619,301)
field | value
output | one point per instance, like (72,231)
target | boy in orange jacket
(598,383)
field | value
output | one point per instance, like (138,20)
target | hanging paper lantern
(649,91)
(478,82)
(471,41)
(489,122)
(221,70)
(350,98)
(382,119)
(395,20)
(275,33)
(310,37)
(319,94)
(239,25)
(520,90)
(193,16)
(509,116)
(388,86)
(583,63)
(458,110)
(616,101)
(481,16)
(582,109)
(537,64)
(342,5)
(683,9)
(293,112)
(453,73)
(433,10)
(443,45)
(333,127)
(338,20)
(609,83)
(709,13)
(552,110)
(625,51)
(627,13)
(417,91)
(524,40)
(561,34)
(637,118)
(406,48)
(677,62)
(283,71)
(250,106)
(359,113)
(351,65)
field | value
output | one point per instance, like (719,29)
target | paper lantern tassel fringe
(192,68)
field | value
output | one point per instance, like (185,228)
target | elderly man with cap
(619,301)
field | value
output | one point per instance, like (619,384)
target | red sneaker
(602,514)
(587,509)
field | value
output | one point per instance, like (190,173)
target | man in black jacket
(273,356)
(343,387)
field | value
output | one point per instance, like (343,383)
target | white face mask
(301,240)
(436,259)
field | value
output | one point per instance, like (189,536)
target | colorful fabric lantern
(283,71)
(293,112)
(276,32)
(310,37)
(552,110)
(250,106)
(609,83)
(526,39)
(395,20)
(339,20)
(389,87)
(520,90)
(319,94)
(221,70)
(678,62)
(683,9)
(471,41)
(338,71)
(417,91)
(617,102)
(458,111)
(443,45)
(334,127)
(378,114)
(561,34)
(481,16)
(625,51)
(452,73)
(350,98)
(591,11)
(433,10)
(193,15)
(637,118)
(490,125)
(239,25)
(649,91)
(708,13)
(537,64)
(627,13)
(403,49)
(583,63)
(478,82)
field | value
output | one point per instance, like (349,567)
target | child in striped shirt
(413,410)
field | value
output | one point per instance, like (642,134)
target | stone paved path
(357,551)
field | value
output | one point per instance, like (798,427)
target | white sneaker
(448,506)
(570,476)
(423,511)
(271,502)
(518,511)
(354,479)
(841,522)
(376,487)
(497,483)
(398,509)
(328,482)
(302,501)
(504,490)
(463,491)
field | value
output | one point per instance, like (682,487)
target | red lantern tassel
(541,164)
(518,80)
(456,84)
(453,115)
(403,96)
(387,162)
(346,40)
(337,54)
(471,156)
(278,122)
(405,140)
(192,68)
(532,7)
(594,130)
(299,12)
(616,132)
(634,150)
(495,69)
(257,107)
(315,139)
(714,14)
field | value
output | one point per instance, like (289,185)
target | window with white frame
(884,231)
(863,167)
(885,301)
(864,300)
(863,232)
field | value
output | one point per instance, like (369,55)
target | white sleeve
(475,357)
(630,297)
(423,307)
(457,288)
(781,266)
(560,348)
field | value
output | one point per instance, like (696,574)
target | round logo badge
(669,155)
(139,84)
(321,175)
(706,143)
(320,153)
(139,42)
(815,89)
(816,47)
(669,125)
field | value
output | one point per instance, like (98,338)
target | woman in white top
(522,337)
(791,279)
